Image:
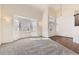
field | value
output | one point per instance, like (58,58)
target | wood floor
(67,42)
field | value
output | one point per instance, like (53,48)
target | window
(24,24)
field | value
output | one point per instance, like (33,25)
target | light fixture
(6,19)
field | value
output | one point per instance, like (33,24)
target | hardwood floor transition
(67,42)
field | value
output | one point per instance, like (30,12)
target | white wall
(45,23)
(65,26)
(66,21)
(0,26)
(8,11)
(69,10)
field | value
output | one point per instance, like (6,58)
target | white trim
(16,16)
